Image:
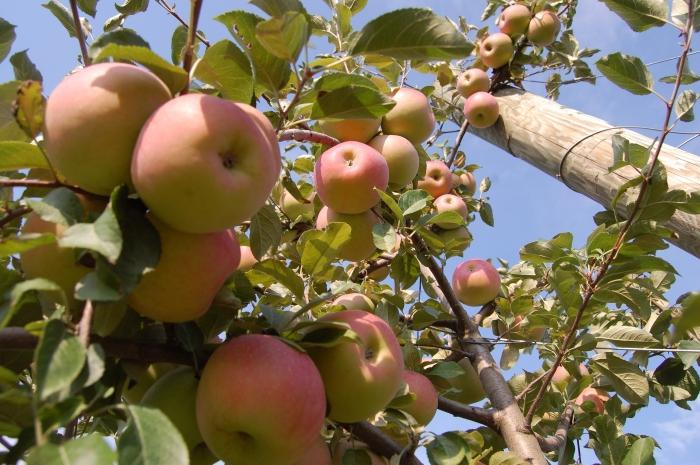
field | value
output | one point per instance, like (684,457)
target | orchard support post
(576,149)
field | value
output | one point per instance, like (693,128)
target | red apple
(450,203)
(247,260)
(597,396)
(260,401)
(317,454)
(476,282)
(481,110)
(496,50)
(361,244)
(473,80)
(514,20)
(354,301)
(437,180)
(359,129)
(424,406)
(543,28)
(412,117)
(468,181)
(401,158)
(202,164)
(346,177)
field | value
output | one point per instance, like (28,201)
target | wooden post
(576,149)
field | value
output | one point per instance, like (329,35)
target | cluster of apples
(596,397)
(496,50)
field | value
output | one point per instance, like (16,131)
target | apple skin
(496,50)
(360,380)
(142,378)
(93,118)
(467,386)
(514,20)
(202,164)
(354,301)
(359,129)
(294,209)
(361,245)
(176,290)
(481,110)
(476,282)
(247,260)
(469,182)
(317,454)
(472,81)
(346,177)
(543,28)
(260,401)
(597,396)
(201,455)
(424,406)
(437,180)
(268,130)
(412,117)
(401,158)
(345,445)
(562,376)
(456,181)
(450,203)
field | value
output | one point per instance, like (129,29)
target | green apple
(361,244)
(450,203)
(476,282)
(481,110)
(543,28)
(354,301)
(437,180)
(401,157)
(496,50)
(412,117)
(424,406)
(473,80)
(295,209)
(514,20)
(469,182)
(141,377)
(359,129)
(466,387)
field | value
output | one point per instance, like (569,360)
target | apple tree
(256,249)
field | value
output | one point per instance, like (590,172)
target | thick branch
(468,412)
(79,32)
(378,441)
(484,313)
(303,135)
(558,439)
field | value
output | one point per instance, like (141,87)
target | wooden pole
(576,149)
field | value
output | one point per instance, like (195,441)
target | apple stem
(79,32)
(195,10)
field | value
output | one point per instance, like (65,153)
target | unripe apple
(476,282)
(202,164)
(481,110)
(412,117)
(468,181)
(294,208)
(247,260)
(358,129)
(543,28)
(345,445)
(472,81)
(459,237)
(437,180)
(514,20)
(317,454)
(597,396)
(424,406)
(401,158)
(260,401)
(466,387)
(450,203)
(456,181)
(496,50)
(93,118)
(361,244)
(142,377)
(354,301)
(176,290)
(562,376)
(346,177)
(361,378)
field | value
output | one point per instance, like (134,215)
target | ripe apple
(361,245)
(401,158)
(597,396)
(345,445)
(177,290)
(358,129)
(466,387)
(412,117)
(424,406)
(247,260)
(458,238)
(514,20)
(202,164)
(450,203)
(346,177)
(476,282)
(93,118)
(437,180)
(496,50)
(354,301)
(361,378)
(266,127)
(317,454)
(468,181)
(543,28)
(562,376)
(294,208)
(473,80)
(481,110)
(260,401)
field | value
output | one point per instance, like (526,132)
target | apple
(516,330)
(294,208)
(201,455)
(597,396)
(437,180)
(203,165)
(481,110)
(354,301)
(247,260)
(260,401)
(514,20)
(466,387)
(317,454)
(473,80)
(496,50)
(412,117)
(450,203)
(344,445)
(469,182)
(401,158)
(456,181)
(458,238)
(347,175)
(93,118)
(476,282)
(141,377)
(361,377)
(358,129)
(424,406)
(562,377)
(266,127)
(361,244)
(177,289)
(543,28)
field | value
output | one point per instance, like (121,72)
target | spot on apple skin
(227,160)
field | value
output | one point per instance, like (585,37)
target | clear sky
(528,205)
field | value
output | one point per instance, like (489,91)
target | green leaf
(679,14)
(151,439)
(626,153)
(628,380)
(448,449)
(284,36)
(446,370)
(130,7)
(320,248)
(87,450)
(59,359)
(265,231)
(335,80)
(173,76)
(9,129)
(103,236)
(413,201)
(640,15)
(690,312)
(14,245)
(627,72)
(628,336)
(351,102)
(685,104)
(89,7)
(688,76)
(384,236)
(641,453)
(7,37)
(60,206)
(21,292)
(29,108)
(412,34)
(282,274)
(356,457)
(278,7)
(121,36)
(391,203)
(670,372)
(225,67)
(63,15)
(23,67)
(486,213)
(178,43)
(16,155)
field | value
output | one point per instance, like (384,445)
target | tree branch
(42,184)
(171,11)
(484,313)
(85,324)
(195,10)
(468,412)
(558,439)
(13,214)
(303,135)
(378,441)
(79,32)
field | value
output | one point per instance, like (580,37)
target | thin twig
(306,75)
(303,135)
(171,11)
(13,215)
(42,184)
(458,142)
(534,382)
(85,324)
(195,10)
(79,32)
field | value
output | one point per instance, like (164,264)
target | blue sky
(528,205)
